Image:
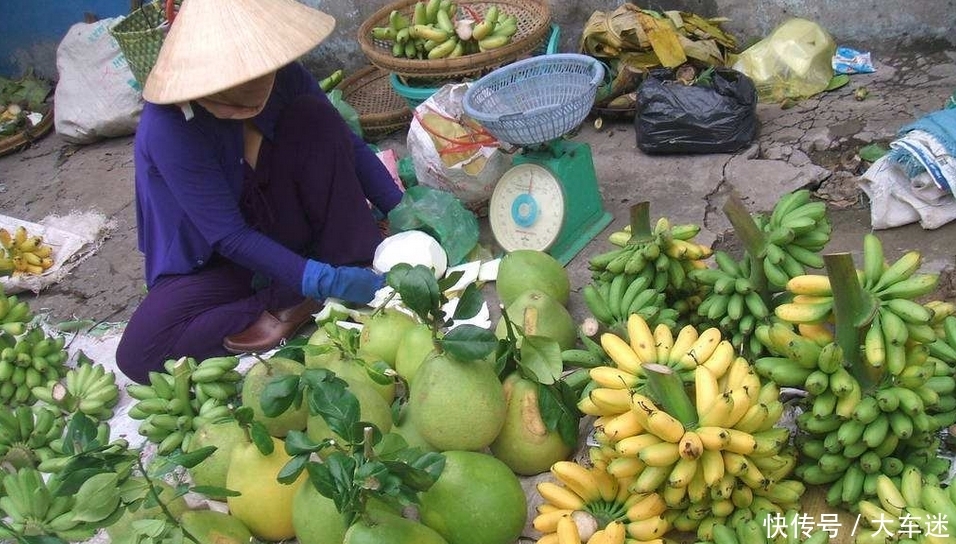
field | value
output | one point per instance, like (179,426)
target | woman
(252,194)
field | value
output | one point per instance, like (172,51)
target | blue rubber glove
(348,283)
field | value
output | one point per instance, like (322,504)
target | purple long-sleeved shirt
(189,179)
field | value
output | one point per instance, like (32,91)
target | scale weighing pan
(549,200)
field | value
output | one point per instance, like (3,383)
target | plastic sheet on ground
(73,237)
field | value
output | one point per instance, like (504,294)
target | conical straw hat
(213,45)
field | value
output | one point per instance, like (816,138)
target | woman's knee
(134,356)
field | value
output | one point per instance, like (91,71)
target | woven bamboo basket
(381,110)
(534,25)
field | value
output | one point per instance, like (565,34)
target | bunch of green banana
(14,315)
(22,253)
(777,529)
(88,388)
(909,509)
(36,507)
(613,302)
(34,359)
(796,231)
(732,301)
(177,401)
(26,433)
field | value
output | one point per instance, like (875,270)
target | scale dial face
(527,208)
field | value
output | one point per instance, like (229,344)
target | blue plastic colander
(535,100)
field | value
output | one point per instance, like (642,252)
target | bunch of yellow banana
(732,301)
(912,509)
(433,30)
(665,256)
(730,457)
(785,529)
(23,253)
(796,232)
(87,388)
(184,397)
(29,360)
(588,505)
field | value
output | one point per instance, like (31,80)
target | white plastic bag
(96,96)
(452,152)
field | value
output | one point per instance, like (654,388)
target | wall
(31,29)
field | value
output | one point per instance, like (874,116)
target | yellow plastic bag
(795,61)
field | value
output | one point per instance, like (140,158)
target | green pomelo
(373,407)
(345,367)
(476,500)
(121,532)
(316,520)
(412,351)
(319,358)
(215,527)
(457,405)
(256,379)
(526,269)
(225,436)
(382,333)
(407,430)
(538,314)
(391,529)
(525,444)
(264,505)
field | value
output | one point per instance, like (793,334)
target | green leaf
(261,438)
(469,342)
(336,405)
(152,528)
(293,349)
(872,152)
(191,459)
(80,434)
(342,468)
(390,446)
(837,81)
(371,475)
(244,415)
(313,378)
(377,371)
(541,358)
(279,394)
(557,413)
(419,291)
(450,280)
(320,475)
(298,443)
(470,303)
(214,492)
(97,498)
(43,539)
(291,471)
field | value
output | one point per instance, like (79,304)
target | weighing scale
(549,201)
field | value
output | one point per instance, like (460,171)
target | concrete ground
(813,144)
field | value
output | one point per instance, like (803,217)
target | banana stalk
(667,389)
(754,241)
(853,309)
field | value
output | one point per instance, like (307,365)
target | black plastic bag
(677,118)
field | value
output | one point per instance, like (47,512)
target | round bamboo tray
(25,137)
(381,110)
(534,24)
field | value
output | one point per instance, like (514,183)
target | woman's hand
(348,283)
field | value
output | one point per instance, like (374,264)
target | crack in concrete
(709,197)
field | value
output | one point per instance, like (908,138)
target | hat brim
(214,45)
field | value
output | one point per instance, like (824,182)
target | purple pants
(305,195)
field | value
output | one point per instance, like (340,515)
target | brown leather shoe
(272,328)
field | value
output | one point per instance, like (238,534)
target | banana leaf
(705,51)
(664,40)
(596,38)
(707,29)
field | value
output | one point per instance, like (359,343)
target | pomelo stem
(667,389)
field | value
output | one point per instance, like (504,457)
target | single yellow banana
(719,412)
(703,347)
(810,284)
(641,339)
(685,340)
(663,454)
(664,340)
(713,438)
(547,522)
(622,426)
(613,378)
(560,496)
(611,401)
(721,359)
(577,478)
(632,445)
(621,353)
(662,424)
(706,390)
(567,531)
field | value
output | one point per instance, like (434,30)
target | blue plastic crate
(416,95)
